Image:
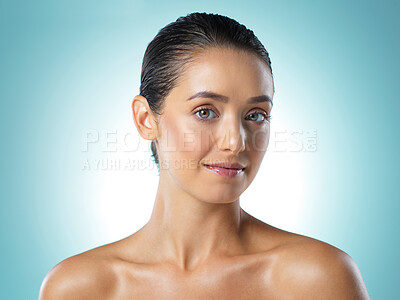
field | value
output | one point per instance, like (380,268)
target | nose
(232,136)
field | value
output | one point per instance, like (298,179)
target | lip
(227,165)
(235,170)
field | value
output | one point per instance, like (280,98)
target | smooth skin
(199,243)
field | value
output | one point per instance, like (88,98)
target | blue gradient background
(70,66)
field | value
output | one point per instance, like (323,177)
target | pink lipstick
(226,169)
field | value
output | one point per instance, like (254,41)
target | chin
(220,201)
(220,194)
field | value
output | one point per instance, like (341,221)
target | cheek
(181,141)
(258,140)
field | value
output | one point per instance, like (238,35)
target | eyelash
(266,117)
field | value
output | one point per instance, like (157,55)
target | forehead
(228,71)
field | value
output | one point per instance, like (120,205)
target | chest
(249,282)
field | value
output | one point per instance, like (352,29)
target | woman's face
(212,129)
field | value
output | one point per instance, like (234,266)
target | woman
(205,101)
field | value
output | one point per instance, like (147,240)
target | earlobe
(143,118)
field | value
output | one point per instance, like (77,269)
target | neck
(187,231)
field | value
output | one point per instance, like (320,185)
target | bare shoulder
(311,269)
(83,276)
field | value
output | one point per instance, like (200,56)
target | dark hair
(177,44)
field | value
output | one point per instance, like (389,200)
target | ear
(144,118)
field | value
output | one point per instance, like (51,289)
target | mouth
(224,171)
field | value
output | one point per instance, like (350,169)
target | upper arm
(76,278)
(320,271)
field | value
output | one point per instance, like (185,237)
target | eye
(255,116)
(204,113)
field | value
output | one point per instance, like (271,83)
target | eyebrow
(225,99)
